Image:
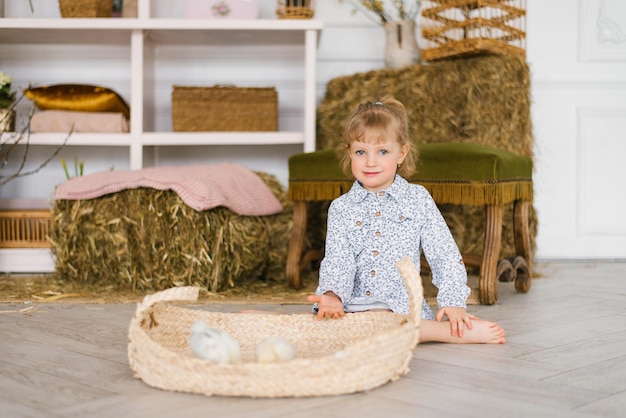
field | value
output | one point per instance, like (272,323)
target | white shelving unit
(144,34)
(140,40)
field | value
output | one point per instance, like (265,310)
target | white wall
(578,67)
(577,55)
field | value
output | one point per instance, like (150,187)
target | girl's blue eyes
(361,152)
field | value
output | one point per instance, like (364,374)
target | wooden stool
(454,173)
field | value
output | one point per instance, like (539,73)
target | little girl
(384,218)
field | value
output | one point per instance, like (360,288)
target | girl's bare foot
(482,332)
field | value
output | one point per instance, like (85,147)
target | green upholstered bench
(454,173)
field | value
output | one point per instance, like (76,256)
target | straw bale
(480,99)
(148,239)
(483,99)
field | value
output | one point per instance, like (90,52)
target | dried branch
(9,142)
(381,12)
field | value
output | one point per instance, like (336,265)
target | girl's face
(374,161)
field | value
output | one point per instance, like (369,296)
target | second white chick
(213,345)
(274,350)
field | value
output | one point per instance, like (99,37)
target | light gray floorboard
(565,357)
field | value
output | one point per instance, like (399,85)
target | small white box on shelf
(220,9)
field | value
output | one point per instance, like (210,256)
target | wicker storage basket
(224,108)
(469,27)
(298,9)
(352,354)
(25,228)
(86,8)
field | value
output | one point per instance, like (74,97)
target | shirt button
(381,193)
(376,252)
(377,214)
(373,273)
(377,233)
(368,293)
(401,217)
(358,223)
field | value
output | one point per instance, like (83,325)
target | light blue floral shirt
(368,233)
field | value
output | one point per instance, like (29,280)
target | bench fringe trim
(443,192)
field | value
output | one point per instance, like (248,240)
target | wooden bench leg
(488,269)
(523,262)
(296,244)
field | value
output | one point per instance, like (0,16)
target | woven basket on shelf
(86,8)
(224,108)
(472,27)
(298,9)
(355,353)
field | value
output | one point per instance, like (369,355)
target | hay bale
(481,99)
(148,239)
(484,100)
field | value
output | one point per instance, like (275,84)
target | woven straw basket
(303,9)
(25,228)
(86,8)
(224,108)
(355,353)
(295,13)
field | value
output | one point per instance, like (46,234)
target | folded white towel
(75,121)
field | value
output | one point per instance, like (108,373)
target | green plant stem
(64,165)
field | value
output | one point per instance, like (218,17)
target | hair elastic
(378,103)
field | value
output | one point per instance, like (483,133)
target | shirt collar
(396,190)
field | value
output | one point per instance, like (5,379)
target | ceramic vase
(401,47)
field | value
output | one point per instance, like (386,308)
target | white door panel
(579,120)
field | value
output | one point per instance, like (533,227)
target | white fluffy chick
(213,345)
(274,350)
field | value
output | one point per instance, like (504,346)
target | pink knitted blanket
(201,187)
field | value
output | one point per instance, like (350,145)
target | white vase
(401,47)
(7,120)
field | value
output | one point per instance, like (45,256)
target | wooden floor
(565,357)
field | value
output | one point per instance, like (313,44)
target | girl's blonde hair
(388,116)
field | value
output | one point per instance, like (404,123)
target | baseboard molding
(26,260)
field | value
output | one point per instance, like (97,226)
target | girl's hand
(328,305)
(458,318)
